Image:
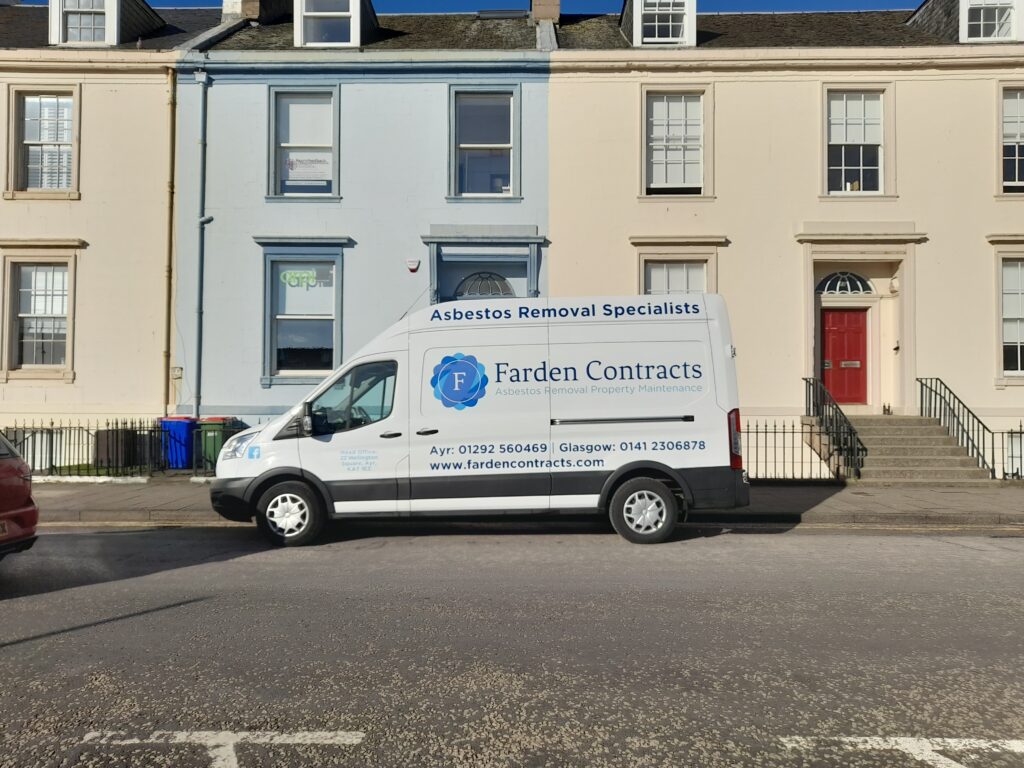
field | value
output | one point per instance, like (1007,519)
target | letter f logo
(459,381)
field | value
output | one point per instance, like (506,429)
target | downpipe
(172,119)
(203,219)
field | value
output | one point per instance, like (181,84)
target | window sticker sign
(305,278)
(308,167)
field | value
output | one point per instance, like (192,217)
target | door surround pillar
(865,242)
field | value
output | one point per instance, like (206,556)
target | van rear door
(480,421)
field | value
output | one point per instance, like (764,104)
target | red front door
(845,354)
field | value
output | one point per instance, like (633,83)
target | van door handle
(390,435)
(426,432)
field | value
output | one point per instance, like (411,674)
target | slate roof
(182,25)
(439,31)
(25,26)
(762,30)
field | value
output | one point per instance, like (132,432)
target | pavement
(520,645)
(1001,506)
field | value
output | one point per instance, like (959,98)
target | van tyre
(644,511)
(290,514)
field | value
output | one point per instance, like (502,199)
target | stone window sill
(863,198)
(484,199)
(276,381)
(38,374)
(303,199)
(42,194)
(676,198)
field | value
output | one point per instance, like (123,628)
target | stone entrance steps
(914,450)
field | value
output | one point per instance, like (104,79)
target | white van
(627,405)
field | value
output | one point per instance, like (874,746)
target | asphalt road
(511,645)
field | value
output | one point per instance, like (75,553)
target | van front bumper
(228,497)
(717,487)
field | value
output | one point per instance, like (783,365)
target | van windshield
(362,396)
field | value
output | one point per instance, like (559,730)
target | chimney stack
(263,11)
(546,10)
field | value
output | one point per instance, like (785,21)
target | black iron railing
(840,446)
(1009,453)
(786,450)
(938,401)
(120,448)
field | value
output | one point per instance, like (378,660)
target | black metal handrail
(938,401)
(843,442)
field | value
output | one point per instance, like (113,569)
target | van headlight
(235,447)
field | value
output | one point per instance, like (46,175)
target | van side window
(362,396)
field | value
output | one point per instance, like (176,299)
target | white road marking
(220,745)
(924,750)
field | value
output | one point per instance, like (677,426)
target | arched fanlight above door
(485,285)
(844,284)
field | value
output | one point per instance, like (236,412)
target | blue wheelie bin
(177,434)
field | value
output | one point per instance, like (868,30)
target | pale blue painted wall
(394,161)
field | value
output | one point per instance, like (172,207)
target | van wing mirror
(307,419)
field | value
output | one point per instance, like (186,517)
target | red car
(18,512)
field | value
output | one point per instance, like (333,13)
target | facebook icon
(459,381)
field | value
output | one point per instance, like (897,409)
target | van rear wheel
(644,511)
(290,515)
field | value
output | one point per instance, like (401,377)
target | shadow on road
(774,508)
(102,622)
(508,525)
(63,560)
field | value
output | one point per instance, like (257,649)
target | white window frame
(667,264)
(687,39)
(678,248)
(274,150)
(25,145)
(965,9)
(1005,247)
(15,255)
(856,94)
(1017,187)
(50,295)
(282,250)
(58,30)
(276,318)
(706,93)
(87,12)
(887,149)
(354,15)
(17,158)
(514,96)
(1003,259)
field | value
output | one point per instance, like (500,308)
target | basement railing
(842,448)
(938,401)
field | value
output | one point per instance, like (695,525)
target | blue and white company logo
(459,381)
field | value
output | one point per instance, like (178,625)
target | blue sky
(595,6)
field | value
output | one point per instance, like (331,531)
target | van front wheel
(290,515)
(644,511)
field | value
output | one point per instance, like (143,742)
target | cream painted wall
(767,147)
(121,308)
